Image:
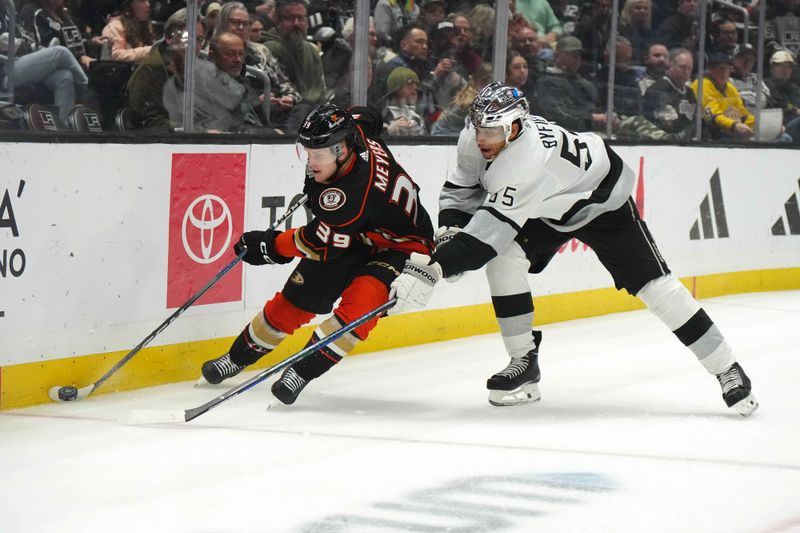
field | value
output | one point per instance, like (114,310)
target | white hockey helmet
(496,105)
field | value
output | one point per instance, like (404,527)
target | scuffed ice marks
(473,505)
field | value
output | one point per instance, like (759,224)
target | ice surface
(631,435)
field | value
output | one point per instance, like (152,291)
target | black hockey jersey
(375,204)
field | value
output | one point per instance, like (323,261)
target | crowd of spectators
(263,64)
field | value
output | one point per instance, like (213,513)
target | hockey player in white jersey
(524,186)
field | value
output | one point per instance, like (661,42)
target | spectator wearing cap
(445,51)
(146,86)
(210,16)
(669,104)
(130,32)
(400,115)
(413,53)
(785,92)
(656,64)
(566,97)
(432,12)
(678,30)
(541,16)
(298,58)
(745,80)
(723,109)
(390,16)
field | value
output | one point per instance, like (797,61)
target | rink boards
(100,243)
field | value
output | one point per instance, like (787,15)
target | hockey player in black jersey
(524,186)
(367,220)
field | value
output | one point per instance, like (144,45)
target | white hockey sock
(669,300)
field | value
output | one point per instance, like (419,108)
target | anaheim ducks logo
(332,199)
(297,278)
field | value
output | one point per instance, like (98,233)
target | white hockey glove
(414,287)
(443,235)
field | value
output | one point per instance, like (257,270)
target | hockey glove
(259,248)
(443,235)
(414,287)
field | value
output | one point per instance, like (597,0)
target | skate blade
(202,383)
(746,407)
(527,393)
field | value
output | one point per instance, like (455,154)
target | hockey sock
(256,340)
(674,305)
(323,359)
(507,275)
(515,315)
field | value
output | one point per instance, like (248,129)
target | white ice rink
(631,435)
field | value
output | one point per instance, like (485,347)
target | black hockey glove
(259,248)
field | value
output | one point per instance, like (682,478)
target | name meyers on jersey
(402,182)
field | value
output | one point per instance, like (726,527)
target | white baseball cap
(781,56)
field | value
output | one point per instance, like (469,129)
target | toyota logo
(213,214)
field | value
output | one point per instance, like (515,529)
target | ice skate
(736,390)
(518,382)
(217,370)
(289,386)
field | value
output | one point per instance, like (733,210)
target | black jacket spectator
(671,108)
(566,98)
(678,30)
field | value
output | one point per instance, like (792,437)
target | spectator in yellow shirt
(723,108)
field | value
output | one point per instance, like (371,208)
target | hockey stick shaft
(178,312)
(191,414)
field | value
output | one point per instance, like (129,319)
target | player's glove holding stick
(413,288)
(259,248)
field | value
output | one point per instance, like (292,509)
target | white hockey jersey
(566,179)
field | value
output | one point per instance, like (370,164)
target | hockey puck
(67,394)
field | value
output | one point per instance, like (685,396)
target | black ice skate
(736,390)
(219,369)
(518,382)
(289,386)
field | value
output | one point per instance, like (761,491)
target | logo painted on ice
(332,199)
(213,217)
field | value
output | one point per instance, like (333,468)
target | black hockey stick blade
(159,417)
(69,393)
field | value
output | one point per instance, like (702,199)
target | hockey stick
(69,393)
(159,417)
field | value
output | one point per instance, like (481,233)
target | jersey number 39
(337,240)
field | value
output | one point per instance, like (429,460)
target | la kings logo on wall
(791,217)
(712,221)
